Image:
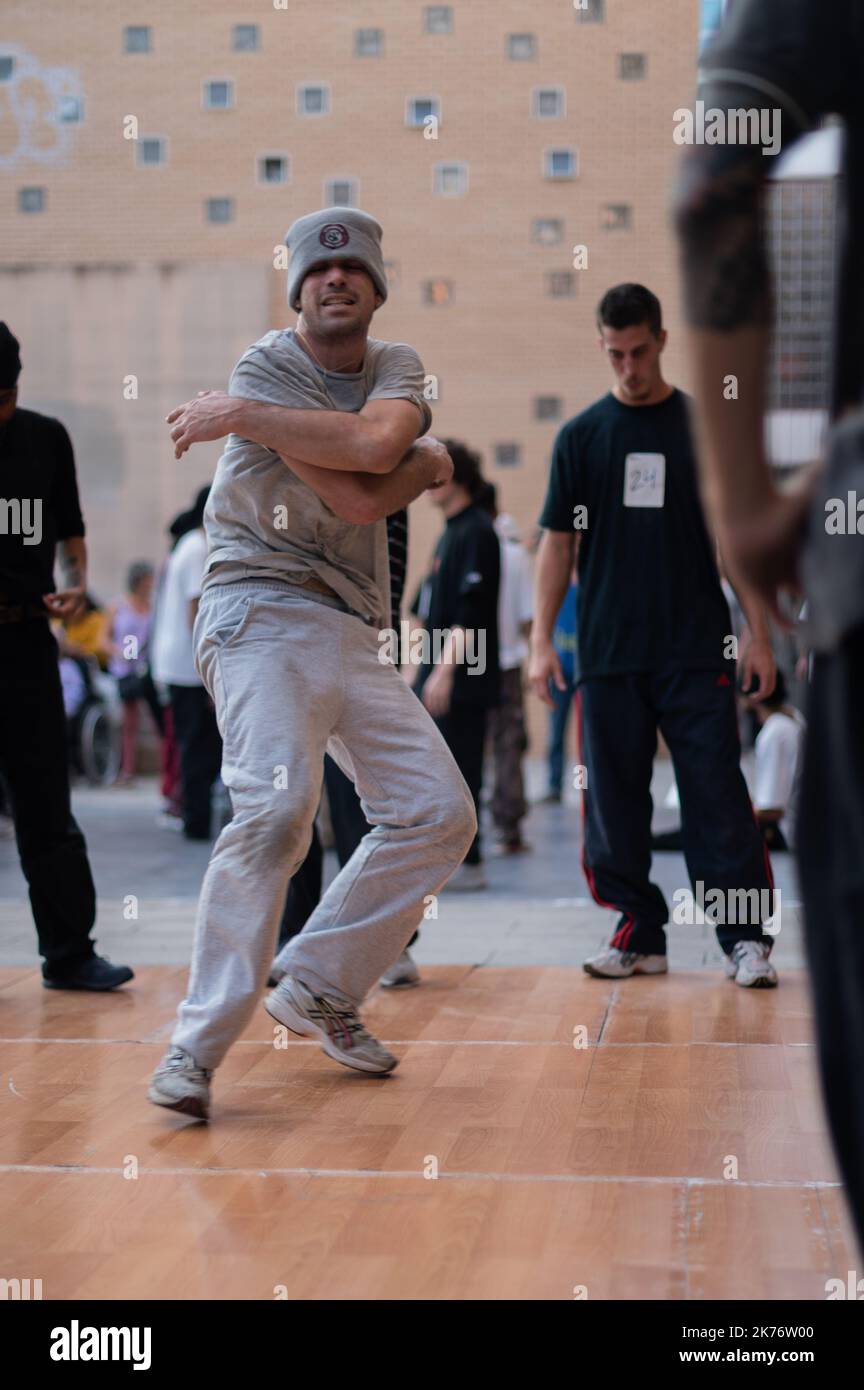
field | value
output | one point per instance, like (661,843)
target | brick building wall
(127,276)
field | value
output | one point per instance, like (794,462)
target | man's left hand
(764,546)
(437,691)
(212,415)
(757,663)
(68,604)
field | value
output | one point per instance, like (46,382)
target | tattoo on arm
(727,281)
(71,569)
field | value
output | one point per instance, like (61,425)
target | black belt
(22,612)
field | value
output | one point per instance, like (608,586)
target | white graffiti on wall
(39,108)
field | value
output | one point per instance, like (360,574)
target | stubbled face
(443,496)
(634,355)
(8,402)
(338,299)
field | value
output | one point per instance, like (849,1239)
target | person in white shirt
(778,749)
(507,718)
(173,665)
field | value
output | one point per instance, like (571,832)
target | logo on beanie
(333,235)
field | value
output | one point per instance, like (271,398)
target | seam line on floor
(663,1181)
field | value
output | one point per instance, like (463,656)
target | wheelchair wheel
(99,746)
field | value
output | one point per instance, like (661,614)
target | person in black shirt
(655,640)
(39,509)
(460,597)
(807,62)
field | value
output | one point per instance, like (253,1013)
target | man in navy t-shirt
(655,652)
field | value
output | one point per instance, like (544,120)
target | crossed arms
(362,465)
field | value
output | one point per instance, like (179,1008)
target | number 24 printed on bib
(644,480)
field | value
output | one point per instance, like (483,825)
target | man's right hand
(544,665)
(439,460)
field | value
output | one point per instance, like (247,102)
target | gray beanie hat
(345,234)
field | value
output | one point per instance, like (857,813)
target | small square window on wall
(419,109)
(547,231)
(272,168)
(70,110)
(590,11)
(31,199)
(521,48)
(561,284)
(437,291)
(136,38)
(560,164)
(547,407)
(313,99)
(218,95)
(438,19)
(341,193)
(368,43)
(245,38)
(548,102)
(220,209)
(632,67)
(616,217)
(150,150)
(7,67)
(450,180)
(508,455)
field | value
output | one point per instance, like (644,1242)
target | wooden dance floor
(562,1170)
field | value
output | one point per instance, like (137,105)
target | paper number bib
(644,480)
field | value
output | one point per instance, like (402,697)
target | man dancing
(323,426)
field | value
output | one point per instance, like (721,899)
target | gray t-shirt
(262,520)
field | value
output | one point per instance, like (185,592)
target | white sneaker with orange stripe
(333,1021)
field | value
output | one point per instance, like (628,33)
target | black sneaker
(97,973)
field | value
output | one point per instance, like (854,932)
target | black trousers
(349,827)
(200,747)
(464,731)
(144,688)
(618,718)
(831,864)
(35,769)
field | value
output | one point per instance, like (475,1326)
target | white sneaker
(333,1021)
(613,964)
(468,878)
(402,974)
(749,966)
(180,1084)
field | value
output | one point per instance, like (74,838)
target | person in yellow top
(87,635)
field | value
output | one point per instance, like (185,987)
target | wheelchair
(94,729)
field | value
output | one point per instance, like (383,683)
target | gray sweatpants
(292,678)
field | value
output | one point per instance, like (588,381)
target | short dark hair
(487,498)
(626,305)
(192,519)
(138,570)
(467,467)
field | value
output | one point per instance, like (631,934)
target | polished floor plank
(679,1153)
